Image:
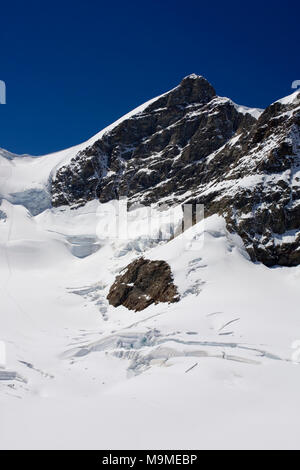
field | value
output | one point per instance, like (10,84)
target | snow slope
(213,371)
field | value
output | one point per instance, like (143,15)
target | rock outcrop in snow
(143,283)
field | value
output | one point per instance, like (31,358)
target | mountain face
(192,146)
(152,154)
(258,189)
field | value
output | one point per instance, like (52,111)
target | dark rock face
(144,282)
(258,188)
(158,146)
(192,146)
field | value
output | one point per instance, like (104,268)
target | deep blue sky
(71,68)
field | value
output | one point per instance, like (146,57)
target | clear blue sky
(71,68)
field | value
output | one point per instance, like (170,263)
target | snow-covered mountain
(216,367)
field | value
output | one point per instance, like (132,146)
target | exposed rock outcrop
(143,283)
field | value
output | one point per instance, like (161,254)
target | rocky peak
(192,89)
